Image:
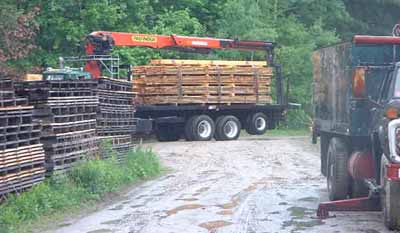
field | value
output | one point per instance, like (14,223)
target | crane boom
(102,42)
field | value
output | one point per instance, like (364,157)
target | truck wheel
(324,144)
(227,128)
(390,198)
(256,124)
(358,189)
(337,175)
(200,128)
(188,129)
(167,133)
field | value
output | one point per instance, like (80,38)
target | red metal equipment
(102,42)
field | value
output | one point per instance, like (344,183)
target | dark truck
(357,103)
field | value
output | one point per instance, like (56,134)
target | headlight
(394,140)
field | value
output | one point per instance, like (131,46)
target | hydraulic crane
(102,43)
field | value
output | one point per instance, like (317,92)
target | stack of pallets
(22,158)
(115,115)
(67,110)
(202,82)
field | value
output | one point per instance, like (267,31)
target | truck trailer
(193,120)
(356,116)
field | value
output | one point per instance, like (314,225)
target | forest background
(34,33)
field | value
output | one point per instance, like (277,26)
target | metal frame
(109,63)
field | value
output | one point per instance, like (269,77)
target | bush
(296,119)
(88,181)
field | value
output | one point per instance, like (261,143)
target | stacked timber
(115,114)
(202,82)
(22,158)
(67,110)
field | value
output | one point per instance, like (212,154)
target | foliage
(296,119)
(298,26)
(87,182)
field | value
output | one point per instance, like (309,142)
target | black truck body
(356,103)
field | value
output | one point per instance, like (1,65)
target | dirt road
(249,185)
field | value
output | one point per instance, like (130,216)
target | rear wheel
(256,124)
(324,144)
(200,128)
(358,189)
(390,198)
(227,128)
(337,175)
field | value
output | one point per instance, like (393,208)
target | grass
(280,132)
(86,183)
(288,132)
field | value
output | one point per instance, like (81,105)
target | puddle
(65,224)
(299,212)
(274,212)
(112,222)
(225,212)
(302,225)
(187,199)
(233,203)
(250,188)
(141,196)
(118,207)
(371,231)
(213,225)
(100,231)
(282,203)
(309,199)
(136,206)
(204,189)
(183,207)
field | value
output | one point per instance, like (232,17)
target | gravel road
(249,185)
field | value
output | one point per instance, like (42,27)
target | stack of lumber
(22,158)
(115,114)
(202,82)
(67,110)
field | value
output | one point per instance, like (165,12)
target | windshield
(54,77)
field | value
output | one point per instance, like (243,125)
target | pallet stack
(202,82)
(115,116)
(22,158)
(67,110)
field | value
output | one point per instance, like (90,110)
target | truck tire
(200,128)
(256,124)
(358,189)
(324,144)
(188,129)
(390,198)
(167,133)
(227,128)
(337,176)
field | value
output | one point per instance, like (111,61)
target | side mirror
(359,89)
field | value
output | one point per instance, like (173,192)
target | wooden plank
(207,62)
(33,77)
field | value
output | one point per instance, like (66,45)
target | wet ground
(249,185)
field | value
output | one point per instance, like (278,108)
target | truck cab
(66,74)
(356,116)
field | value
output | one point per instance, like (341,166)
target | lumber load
(202,82)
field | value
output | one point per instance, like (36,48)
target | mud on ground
(249,185)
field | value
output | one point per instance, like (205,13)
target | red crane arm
(102,42)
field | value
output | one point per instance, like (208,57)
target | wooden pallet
(191,82)
(11,159)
